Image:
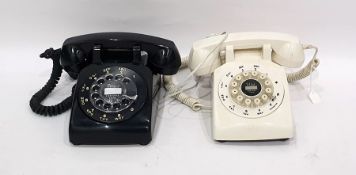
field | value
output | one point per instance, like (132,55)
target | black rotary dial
(112,94)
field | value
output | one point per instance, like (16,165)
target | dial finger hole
(101,81)
(267,82)
(116,106)
(107,106)
(118,77)
(95,88)
(234,84)
(264,97)
(262,76)
(234,91)
(254,73)
(257,101)
(95,96)
(239,98)
(125,101)
(247,101)
(99,102)
(245,74)
(126,80)
(109,77)
(238,77)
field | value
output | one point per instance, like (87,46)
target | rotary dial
(112,94)
(250,91)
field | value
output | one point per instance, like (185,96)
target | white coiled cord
(193,103)
(178,93)
(308,69)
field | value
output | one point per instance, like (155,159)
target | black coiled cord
(37,98)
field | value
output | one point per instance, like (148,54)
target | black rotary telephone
(119,75)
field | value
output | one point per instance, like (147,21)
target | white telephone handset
(250,87)
(284,49)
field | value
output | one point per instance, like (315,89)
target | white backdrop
(325,133)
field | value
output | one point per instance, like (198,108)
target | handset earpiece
(204,55)
(203,61)
(72,59)
(165,60)
(288,54)
(160,58)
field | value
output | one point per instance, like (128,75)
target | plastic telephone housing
(115,100)
(251,100)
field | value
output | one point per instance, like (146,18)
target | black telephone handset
(118,78)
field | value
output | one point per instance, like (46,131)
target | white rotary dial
(250,91)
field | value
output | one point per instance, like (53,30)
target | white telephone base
(242,119)
(250,91)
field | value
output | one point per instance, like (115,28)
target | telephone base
(234,120)
(252,136)
(84,131)
(270,128)
(266,140)
(90,126)
(111,140)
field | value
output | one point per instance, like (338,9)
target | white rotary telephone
(250,87)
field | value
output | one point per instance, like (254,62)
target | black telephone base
(133,125)
(115,100)
(84,131)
